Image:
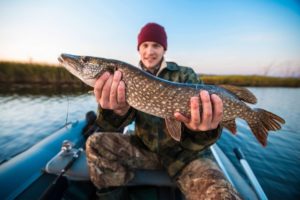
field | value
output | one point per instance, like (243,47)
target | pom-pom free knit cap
(153,32)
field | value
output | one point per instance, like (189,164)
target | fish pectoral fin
(174,128)
(242,93)
(230,125)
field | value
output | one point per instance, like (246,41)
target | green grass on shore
(251,80)
(41,74)
(13,72)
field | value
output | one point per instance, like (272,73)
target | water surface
(26,119)
(277,165)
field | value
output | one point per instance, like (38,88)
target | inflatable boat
(55,168)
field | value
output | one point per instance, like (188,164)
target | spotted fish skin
(162,98)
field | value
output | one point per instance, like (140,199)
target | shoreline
(32,75)
(251,80)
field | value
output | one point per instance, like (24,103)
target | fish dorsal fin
(242,93)
(174,128)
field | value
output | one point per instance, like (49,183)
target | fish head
(86,68)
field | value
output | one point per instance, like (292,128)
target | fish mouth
(60,59)
(71,63)
(64,57)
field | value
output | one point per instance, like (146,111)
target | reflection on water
(26,119)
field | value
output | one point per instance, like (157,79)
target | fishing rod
(60,180)
(60,183)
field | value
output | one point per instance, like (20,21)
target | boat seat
(79,170)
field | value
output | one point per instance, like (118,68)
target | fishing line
(59,69)
(67,116)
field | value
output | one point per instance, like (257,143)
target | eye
(144,45)
(84,59)
(156,45)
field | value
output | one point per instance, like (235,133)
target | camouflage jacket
(152,130)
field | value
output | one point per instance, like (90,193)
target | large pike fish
(162,98)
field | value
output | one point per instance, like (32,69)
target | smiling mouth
(150,59)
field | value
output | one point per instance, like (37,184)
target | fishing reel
(67,146)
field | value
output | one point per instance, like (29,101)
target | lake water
(27,119)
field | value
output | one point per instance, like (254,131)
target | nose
(150,49)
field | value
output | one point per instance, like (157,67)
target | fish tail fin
(263,121)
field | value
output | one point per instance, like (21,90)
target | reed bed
(56,76)
(251,80)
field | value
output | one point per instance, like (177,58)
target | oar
(251,176)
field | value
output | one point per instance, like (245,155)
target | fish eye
(84,59)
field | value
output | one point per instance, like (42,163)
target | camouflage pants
(112,157)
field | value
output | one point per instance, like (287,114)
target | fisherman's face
(151,53)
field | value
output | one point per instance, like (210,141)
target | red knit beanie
(153,32)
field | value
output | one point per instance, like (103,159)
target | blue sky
(213,36)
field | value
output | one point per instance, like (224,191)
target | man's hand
(212,114)
(110,93)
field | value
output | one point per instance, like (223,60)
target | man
(112,157)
